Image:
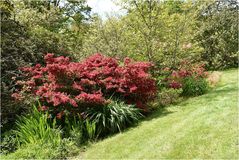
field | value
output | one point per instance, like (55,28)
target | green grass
(200,127)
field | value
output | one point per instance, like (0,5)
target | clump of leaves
(35,128)
(8,143)
(194,86)
(63,86)
(114,117)
(169,96)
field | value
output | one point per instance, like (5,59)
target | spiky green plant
(34,128)
(74,129)
(90,129)
(114,117)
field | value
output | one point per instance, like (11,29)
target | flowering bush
(64,87)
(190,77)
(185,70)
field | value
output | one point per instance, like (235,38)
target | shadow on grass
(160,112)
(220,92)
(211,95)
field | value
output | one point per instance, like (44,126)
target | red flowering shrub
(185,70)
(62,85)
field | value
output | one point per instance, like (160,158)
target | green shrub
(79,130)
(74,129)
(8,143)
(169,96)
(66,149)
(35,128)
(113,118)
(194,86)
(218,34)
(165,97)
(90,129)
(44,151)
(38,138)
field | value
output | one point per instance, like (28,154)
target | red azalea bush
(185,70)
(64,86)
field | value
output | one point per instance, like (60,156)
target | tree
(151,30)
(106,37)
(30,29)
(218,34)
(16,50)
(143,18)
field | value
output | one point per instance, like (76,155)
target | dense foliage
(167,31)
(159,32)
(68,87)
(194,86)
(113,118)
(218,34)
(190,77)
(87,96)
(36,136)
(16,50)
(152,31)
(29,29)
(185,69)
(36,129)
(170,96)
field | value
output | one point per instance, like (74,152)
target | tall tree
(218,34)
(30,29)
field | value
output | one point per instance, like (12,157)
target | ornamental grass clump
(36,129)
(114,117)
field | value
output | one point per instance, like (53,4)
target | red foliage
(184,70)
(64,85)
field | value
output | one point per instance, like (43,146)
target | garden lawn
(200,127)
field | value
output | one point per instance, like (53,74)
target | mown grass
(200,127)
